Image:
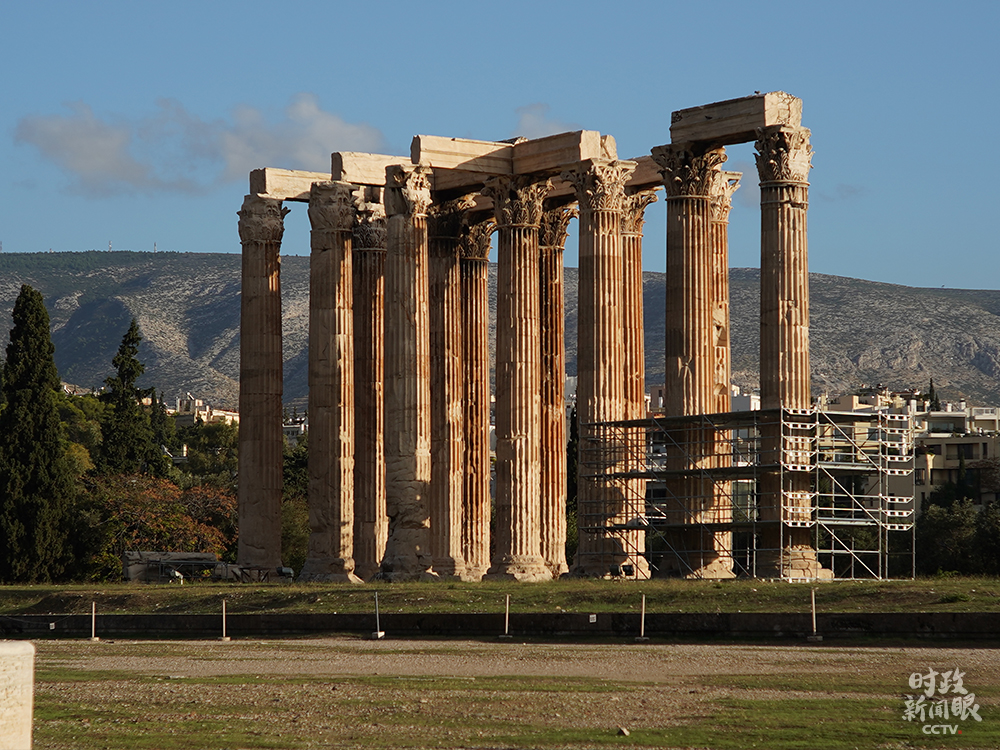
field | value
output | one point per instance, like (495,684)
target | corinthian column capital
(600,186)
(408,190)
(261,219)
(555,225)
(687,171)
(446,220)
(517,199)
(332,207)
(475,244)
(724,184)
(634,210)
(369,226)
(783,154)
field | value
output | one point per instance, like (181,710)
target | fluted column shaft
(688,174)
(407,375)
(784,158)
(723,187)
(783,163)
(553,361)
(371,524)
(600,392)
(518,206)
(633,217)
(475,317)
(447,392)
(330,555)
(261,440)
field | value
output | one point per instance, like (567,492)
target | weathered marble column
(517,203)
(371,525)
(444,227)
(261,439)
(721,193)
(552,241)
(688,173)
(407,375)
(690,351)
(784,158)
(600,390)
(475,316)
(720,511)
(633,218)
(330,556)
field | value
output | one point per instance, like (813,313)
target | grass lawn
(575,595)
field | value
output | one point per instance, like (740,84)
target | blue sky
(137,123)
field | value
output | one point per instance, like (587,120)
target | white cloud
(173,150)
(534,122)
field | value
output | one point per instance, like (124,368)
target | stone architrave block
(362,169)
(17,688)
(284,184)
(735,120)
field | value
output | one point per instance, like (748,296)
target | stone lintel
(363,169)
(287,184)
(735,120)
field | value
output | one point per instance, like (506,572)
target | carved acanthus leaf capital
(601,186)
(408,190)
(555,225)
(369,226)
(332,207)
(634,210)
(446,220)
(783,154)
(724,184)
(686,171)
(475,244)
(517,199)
(261,219)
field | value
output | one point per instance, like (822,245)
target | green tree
(128,445)
(36,479)
(987,539)
(945,538)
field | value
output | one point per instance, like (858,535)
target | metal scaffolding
(736,491)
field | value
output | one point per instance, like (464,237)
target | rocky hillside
(187,306)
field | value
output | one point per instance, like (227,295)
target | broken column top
(734,120)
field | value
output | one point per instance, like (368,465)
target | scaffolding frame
(740,485)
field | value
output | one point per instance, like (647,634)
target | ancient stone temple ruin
(399,365)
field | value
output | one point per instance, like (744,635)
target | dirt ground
(346,692)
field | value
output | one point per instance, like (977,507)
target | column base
(327,571)
(792,562)
(474,573)
(366,573)
(720,568)
(519,568)
(449,569)
(558,570)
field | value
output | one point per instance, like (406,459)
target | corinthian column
(368,258)
(475,317)
(687,177)
(517,203)
(552,241)
(633,218)
(407,375)
(260,478)
(600,390)
(688,174)
(721,193)
(784,158)
(447,440)
(331,386)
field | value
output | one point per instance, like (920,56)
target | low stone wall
(17,689)
(952,625)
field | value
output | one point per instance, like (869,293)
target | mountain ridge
(187,305)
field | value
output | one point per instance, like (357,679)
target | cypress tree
(36,480)
(128,445)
